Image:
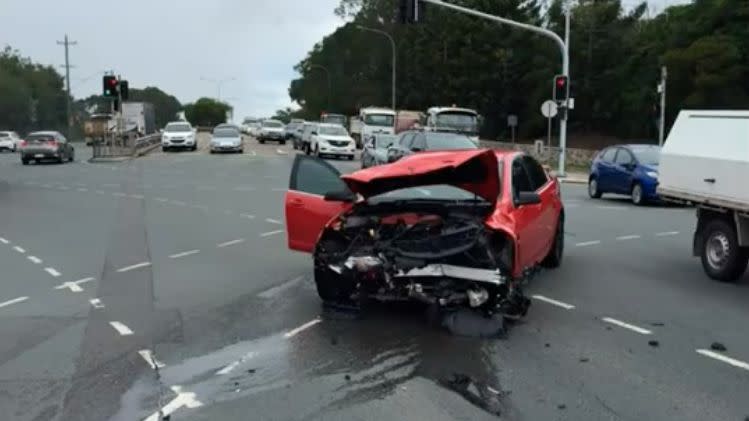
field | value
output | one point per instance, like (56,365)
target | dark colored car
(420,141)
(46,146)
(376,149)
(626,169)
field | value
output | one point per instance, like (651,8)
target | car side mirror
(393,155)
(527,198)
(340,196)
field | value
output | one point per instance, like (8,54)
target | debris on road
(481,395)
(653,343)
(561,406)
(658,324)
(717,346)
(465,322)
(584,360)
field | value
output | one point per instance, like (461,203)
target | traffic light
(561,88)
(124,90)
(110,86)
(411,11)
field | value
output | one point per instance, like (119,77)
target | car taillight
(23,143)
(52,143)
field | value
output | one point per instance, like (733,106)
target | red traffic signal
(110,86)
(561,88)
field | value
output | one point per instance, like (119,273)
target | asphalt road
(178,261)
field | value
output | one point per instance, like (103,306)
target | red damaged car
(448,228)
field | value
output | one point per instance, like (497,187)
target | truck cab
(372,120)
(454,119)
(705,161)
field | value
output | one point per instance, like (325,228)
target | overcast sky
(172,44)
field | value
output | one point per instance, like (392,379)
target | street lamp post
(327,72)
(218,83)
(392,44)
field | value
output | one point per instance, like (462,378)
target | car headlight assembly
(652,174)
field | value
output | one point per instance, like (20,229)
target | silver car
(46,146)
(376,149)
(226,139)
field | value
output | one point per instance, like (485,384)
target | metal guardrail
(129,146)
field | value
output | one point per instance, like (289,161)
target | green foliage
(287,114)
(206,112)
(615,61)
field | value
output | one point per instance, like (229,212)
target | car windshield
(45,137)
(335,119)
(457,120)
(647,155)
(273,124)
(177,128)
(225,132)
(333,131)
(384,120)
(384,141)
(439,141)
(4,134)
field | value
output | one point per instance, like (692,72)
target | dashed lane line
(625,325)
(34,259)
(667,234)
(151,359)
(553,302)
(4,241)
(720,357)
(628,237)
(247,215)
(74,286)
(587,243)
(184,254)
(269,233)
(234,364)
(53,272)
(133,267)
(230,243)
(186,399)
(96,303)
(302,328)
(121,328)
(273,221)
(13,301)
(19,249)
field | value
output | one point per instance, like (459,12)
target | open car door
(307,211)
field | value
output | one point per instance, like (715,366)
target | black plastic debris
(657,324)
(584,360)
(608,328)
(347,377)
(653,343)
(561,406)
(483,396)
(547,345)
(466,322)
(251,371)
(717,346)
(166,418)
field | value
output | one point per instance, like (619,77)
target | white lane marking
(110,185)
(19,249)
(271,292)
(247,215)
(100,192)
(178,203)
(96,303)
(667,234)
(82,189)
(46,186)
(63,188)
(627,237)
(75,286)
(184,254)
(186,399)
(553,302)
(119,194)
(151,359)
(121,328)
(296,331)
(234,364)
(281,152)
(13,301)
(161,199)
(633,328)
(230,243)
(253,153)
(587,243)
(34,259)
(137,196)
(610,207)
(4,241)
(135,266)
(53,272)
(720,357)
(273,221)
(268,234)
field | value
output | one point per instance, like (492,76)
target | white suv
(9,141)
(178,135)
(332,139)
(272,130)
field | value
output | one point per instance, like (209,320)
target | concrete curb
(573,180)
(112,159)
(146,150)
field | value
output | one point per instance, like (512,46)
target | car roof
(45,132)
(329,125)
(178,122)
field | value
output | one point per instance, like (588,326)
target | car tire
(722,258)
(241,151)
(637,194)
(554,258)
(283,142)
(24,161)
(593,190)
(71,158)
(164,149)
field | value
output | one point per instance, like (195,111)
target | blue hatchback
(626,169)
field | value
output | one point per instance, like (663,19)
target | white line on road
(13,301)
(137,196)
(273,221)
(121,328)
(627,237)
(75,286)
(178,203)
(633,328)
(96,303)
(244,188)
(723,358)
(100,192)
(587,243)
(247,215)
(296,331)
(82,189)
(234,364)
(230,243)
(151,359)
(268,234)
(186,399)
(34,259)
(184,254)
(161,199)
(553,302)
(19,249)
(667,234)
(281,152)
(271,292)
(4,241)
(252,153)
(611,207)
(135,266)
(52,271)
(119,194)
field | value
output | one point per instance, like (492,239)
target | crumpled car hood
(474,170)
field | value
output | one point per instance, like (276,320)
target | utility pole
(67,43)
(662,90)
(395,55)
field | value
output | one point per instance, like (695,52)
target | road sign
(512,120)
(549,109)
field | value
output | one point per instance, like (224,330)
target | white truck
(705,161)
(454,119)
(372,120)
(138,117)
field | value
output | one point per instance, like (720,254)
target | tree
(165,106)
(206,112)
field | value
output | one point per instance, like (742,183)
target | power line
(67,43)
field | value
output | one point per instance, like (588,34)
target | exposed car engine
(440,256)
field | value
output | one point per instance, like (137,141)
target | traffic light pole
(563,47)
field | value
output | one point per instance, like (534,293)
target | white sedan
(9,141)
(226,139)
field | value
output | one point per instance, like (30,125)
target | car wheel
(283,142)
(24,161)
(554,258)
(163,149)
(593,190)
(722,258)
(317,151)
(637,194)
(72,156)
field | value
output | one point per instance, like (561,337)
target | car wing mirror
(527,198)
(340,196)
